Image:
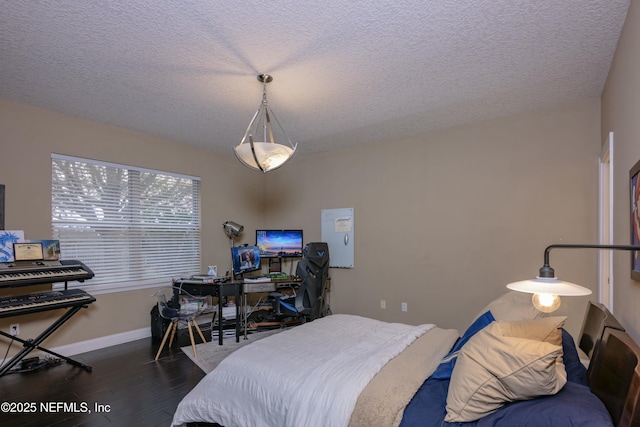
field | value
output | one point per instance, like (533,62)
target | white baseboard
(102,342)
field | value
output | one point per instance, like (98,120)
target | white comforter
(307,376)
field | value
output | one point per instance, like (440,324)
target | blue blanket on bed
(573,406)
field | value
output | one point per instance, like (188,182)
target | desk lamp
(232,230)
(547,288)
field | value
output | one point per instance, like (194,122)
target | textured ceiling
(345,72)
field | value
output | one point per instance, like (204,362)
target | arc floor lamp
(547,288)
(233,230)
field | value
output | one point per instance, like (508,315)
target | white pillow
(512,306)
(493,369)
(547,329)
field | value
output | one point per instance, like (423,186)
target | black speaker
(159,324)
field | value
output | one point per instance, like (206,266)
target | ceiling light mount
(265,78)
(265,145)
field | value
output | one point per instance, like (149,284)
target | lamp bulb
(546,303)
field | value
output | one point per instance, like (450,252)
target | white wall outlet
(383,304)
(404,306)
(14,329)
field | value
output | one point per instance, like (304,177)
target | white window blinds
(133,227)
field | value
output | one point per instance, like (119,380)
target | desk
(220,290)
(251,288)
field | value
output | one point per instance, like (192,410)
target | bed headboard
(615,377)
(596,320)
(614,367)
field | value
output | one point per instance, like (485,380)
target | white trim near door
(605,223)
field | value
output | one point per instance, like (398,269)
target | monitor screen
(245,259)
(279,243)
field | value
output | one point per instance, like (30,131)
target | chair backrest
(596,320)
(167,307)
(313,270)
(175,303)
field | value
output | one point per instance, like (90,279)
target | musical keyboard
(33,273)
(42,301)
(71,299)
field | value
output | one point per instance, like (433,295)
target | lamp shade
(547,291)
(264,156)
(232,229)
(549,285)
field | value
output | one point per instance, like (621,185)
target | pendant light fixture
(265,146)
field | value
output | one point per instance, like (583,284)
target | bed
(510,367)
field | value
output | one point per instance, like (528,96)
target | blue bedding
(573,406)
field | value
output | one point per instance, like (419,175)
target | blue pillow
(445,368)
(576,372)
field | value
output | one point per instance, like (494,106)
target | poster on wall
(635,219)
(7,239)
(50,249)
(337,230)
(1,206)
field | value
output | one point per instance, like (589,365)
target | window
(133,227)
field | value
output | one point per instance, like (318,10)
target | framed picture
(1,206)
(634,173)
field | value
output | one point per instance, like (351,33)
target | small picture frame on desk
(212,270)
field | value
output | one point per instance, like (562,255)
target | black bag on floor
(159,325)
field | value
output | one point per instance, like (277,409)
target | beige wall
(29,136)
(620,114)
(445,220)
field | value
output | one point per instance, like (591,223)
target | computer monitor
(279,243)
(245,259)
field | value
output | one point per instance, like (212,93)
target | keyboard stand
(30,345)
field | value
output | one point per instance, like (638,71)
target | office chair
(177,306)
(309,302)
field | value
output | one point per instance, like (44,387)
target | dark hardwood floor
(126,385)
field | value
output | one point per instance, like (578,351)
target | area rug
(211,353)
